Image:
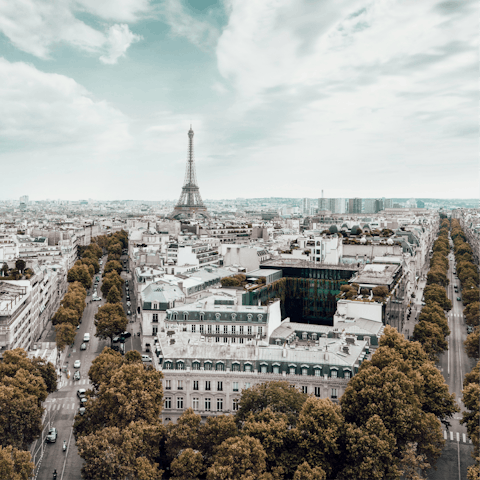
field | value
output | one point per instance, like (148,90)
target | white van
(146,358)
(86,337)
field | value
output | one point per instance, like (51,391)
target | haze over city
(286,98)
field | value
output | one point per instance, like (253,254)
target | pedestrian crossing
(52,407)
(456,437)
(64,382)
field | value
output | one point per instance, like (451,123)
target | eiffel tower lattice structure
(190,204)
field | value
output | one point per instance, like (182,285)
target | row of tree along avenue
(467,272)
(432,328)
(387,425)
(24,385)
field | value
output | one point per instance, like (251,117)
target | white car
(129,304)
(77,364)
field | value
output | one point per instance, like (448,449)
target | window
(195,403)
(195,384)
(207,365)
(220,366)
(208,404)
(234,329)
(196,365)
(235,386)
(168,402)
(317,392)
(260,330)
(209,329)
(304,371)
(248,367)
(154,330)
(347,374)
(217,328)
(318,372)
(333,373)
(219,386)
(241,340)
(234,339)
(263,368)
(207,385)
(194,328)
(180,402)
(235,367)
(249,329)
(180,384)
(234,316)
(180,365)
(276,369)
(225,340)
(334,393)
(219,404)
(241,329)
(201,328)
(217,339)
(168,384)
(155,317)
(259,317)
(304,389)
(249,317)
(225,329)
(235,404)
(168,365)
(291,370)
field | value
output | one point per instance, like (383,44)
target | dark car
(52,435)
(459,299)
(126,335)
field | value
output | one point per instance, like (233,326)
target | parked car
(82,410)
(76,376)
(51,435)
(86,337)
(83,346)
(81,392)
(459,299)
(129,304)
(115,339)
(126,335)
(129,312)
(77,364)
(146,358)
(96,299)
(83,401)
(128,297)
(469,329)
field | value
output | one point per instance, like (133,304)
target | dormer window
(234,316)
(259,317)
(218,316)
(249,317)
(155,306)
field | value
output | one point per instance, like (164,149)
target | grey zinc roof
(162,293)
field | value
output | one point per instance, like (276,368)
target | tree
(105,366)
(432,339)
(47,371)
(470,295)
(278,396)
(333,229)
(110,320)
(29,383)
(433,313)
(74,300)
(133,356)
(472,313)
(114,295)
(80,273)
(113,265)
(65,316)
(230,282)
(437,294)
(472,344)
(183,434)
(114,452)
(437,276)
(109,281)
(369,451)
(188,465)
(238,458)
(320,424)
(20,417)
(20,265)
(380,291)
(473,376)
(214,432)
(306,472)
(15,464)
(65,335)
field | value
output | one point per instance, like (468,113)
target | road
(454,364)
(62,405)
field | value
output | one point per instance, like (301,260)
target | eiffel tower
(190,203)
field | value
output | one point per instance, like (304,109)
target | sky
(286,98)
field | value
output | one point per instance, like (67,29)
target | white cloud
(49,110)
(118,40)
(116,10)
(37,26)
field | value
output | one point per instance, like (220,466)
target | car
(83,401)
(115,339)
(129,312)
(83,346)
(129,303)
(146,358)
(77,364)
(459,299)
(81,392)
(128,297)
(96,299)
(126,335)
(423,304)
(126,282)
(78,327)
(469,329)
(82,410)
(52,435)
(76,376)
(86,337)
(128,271)
(116,348)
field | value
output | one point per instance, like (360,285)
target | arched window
(202,316)
(185,315)
(248,367)
(175,315)
(196,365)
(180,365)
(207,365)
(235,367)
(220,366)
(347,374)
(168,365)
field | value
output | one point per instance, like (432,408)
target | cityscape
(239,240)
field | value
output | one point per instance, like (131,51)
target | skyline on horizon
(287,98)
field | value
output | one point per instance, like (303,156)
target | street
(454,364)
(62,405)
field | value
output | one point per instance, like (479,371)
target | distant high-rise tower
(190,203)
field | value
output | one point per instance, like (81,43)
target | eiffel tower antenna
(190,203)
